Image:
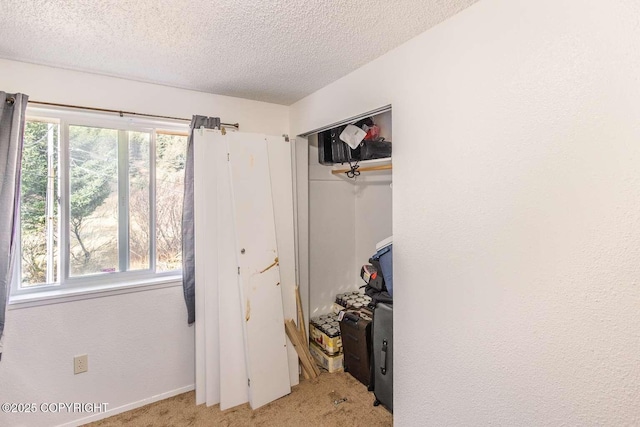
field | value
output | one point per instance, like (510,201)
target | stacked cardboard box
(332,363)
(324,331)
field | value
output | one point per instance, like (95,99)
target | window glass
(139,205)
(114,178)
(93,215)
(171,152)
(39,207)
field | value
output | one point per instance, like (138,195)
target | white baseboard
(128,407)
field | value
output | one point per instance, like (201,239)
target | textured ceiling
(277,51)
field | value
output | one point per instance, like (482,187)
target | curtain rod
(122,113)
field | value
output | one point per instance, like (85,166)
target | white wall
(331,243)
(516,212)
(373,210)
(373,220)
(346,220)
(331,238)
(140,347)
(49,84)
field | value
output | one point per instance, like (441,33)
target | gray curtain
(11,132)
(188,247)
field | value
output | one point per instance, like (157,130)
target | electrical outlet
(80,364)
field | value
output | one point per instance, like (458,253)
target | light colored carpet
(311,403)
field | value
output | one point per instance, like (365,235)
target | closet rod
(364,169)
(122,113)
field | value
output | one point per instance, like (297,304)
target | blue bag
(385,257)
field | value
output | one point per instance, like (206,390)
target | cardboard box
(337,308)
(331,345)
(332,363)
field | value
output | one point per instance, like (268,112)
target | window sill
(58,296)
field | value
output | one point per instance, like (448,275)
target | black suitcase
(383,355)
(355,331)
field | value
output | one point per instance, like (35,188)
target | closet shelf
(363,169)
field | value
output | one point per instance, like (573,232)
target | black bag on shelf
(324,148)
(331,149)
(378,149)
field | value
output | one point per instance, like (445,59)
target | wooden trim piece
(301,326)
(364,169)
(303,350)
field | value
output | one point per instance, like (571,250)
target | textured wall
(516,212)
(139,346)
(373,220)
(331,243)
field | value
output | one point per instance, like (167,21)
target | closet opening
(344,217)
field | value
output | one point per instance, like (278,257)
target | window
(101,200)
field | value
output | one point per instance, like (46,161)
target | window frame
(92,282)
